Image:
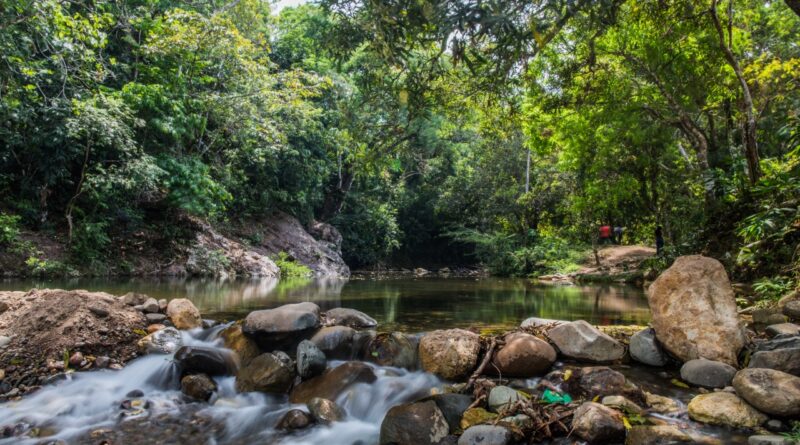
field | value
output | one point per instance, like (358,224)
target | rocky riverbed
(297,375)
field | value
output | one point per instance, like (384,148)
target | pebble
(4,341)
(76,359)
(102,362)
(98,310)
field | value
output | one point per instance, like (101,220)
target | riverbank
(319,370)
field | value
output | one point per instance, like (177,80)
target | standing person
(618,234)
(659,240)
(605,234)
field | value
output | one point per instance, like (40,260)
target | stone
(101,362)
(645,348)
(198,386)
(333,382)
(452,407)
(450,354)
(311,361)
(164,341)
(769,439)
(581,341)
(694,313)
(661,404)
(76,360)
(523,356)
(724,408)
(4,341)
(393,349)
(134,299)
(707,373)
(486,435)
(4,306)
(234,339)
(420,423)
(335,341)
(792,309)
(768,316)
(665,435)
(99,310)
(476,416)
(502,396)
(786,360)
(155,318)
(150,306)
(162,305)
(622,403)
(295,419)
(325,411)
(771,391)
(269,373)
(596,423)
(282,328)
(780,342)
(790,329)
(203,360)
(601,381)
(350,318)
(184,314)
(535,322)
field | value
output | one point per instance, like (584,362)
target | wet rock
(150,306)
(282,328)
(311,361)
(325,411)
(134,299)
(502,396)
(771,391)
(155,327)
(486,435)
(786,360)
(76,360)
(694,311)
(198,386)
(332,382)
(523,356)
(724,408)
(661,404)
(476,416)
(596,423)
(776,343)
(768,316)
(420,423)
(202,360)
(665,435)
(393,349)
(335,341)
(164,341)
(101,362)
(581,341)
(136,393)
(535,322)
(350,318)
(155,318)
(707,373)
(789,329)
(763,439)
(791,309)
(645,348)
(452,407)
(600,381)
(451,354)
(236,341)
(183,314)
(269,372)
(295,419)
(623,404)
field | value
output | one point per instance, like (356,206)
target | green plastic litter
(554,397)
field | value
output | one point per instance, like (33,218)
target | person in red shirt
(605,234)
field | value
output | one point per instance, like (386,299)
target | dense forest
(493,132)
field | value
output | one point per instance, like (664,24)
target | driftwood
(486,359)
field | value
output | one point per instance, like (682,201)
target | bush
(291,268)
(9,229)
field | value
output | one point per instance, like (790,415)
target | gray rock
(134,299)
(162,305)
(350,318)
(789,329)
(153,318)
(99,310)
(596,423)
(768,316)
(665,435)
(198,386)
(335,341)
(645,348)
(420,423)
(150,306)
(311,361)
(452,407)
(601,381)
(502,396)
(763,439)
(535,322)
(295,419)
(786,360)
(581,341)
(773,392)
(325,411)
(282,328)
(270,373)
(333,382)
(4,341)
(792,309)
(102,362)
(164,341)
(780,342)
(486,435)
(202,360)
(707,373)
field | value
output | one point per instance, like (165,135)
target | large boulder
(420,423)
(282,328)
(311,361)
(523,356)
(349,317)
(235,340)
(774,392)
(724,408)
(184,314)
(451,354)
(335,341)
(596,423)
(333,382)
(581,341)
(270,373)
(783,359)
(202,360)
(707,373)
(393,349)
(644,348)
(694,311)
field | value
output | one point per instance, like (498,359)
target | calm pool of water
(405,304)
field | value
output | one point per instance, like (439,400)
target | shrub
(9,229)
(291,268)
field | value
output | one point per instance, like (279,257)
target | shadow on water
(406,304)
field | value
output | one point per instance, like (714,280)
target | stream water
(142,403)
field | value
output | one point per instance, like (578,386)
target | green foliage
(9,229)
(794,434)
(193,189)
(773,288)
(290,268)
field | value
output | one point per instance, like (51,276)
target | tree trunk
(335,198)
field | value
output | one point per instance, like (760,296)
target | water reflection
(408,304)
